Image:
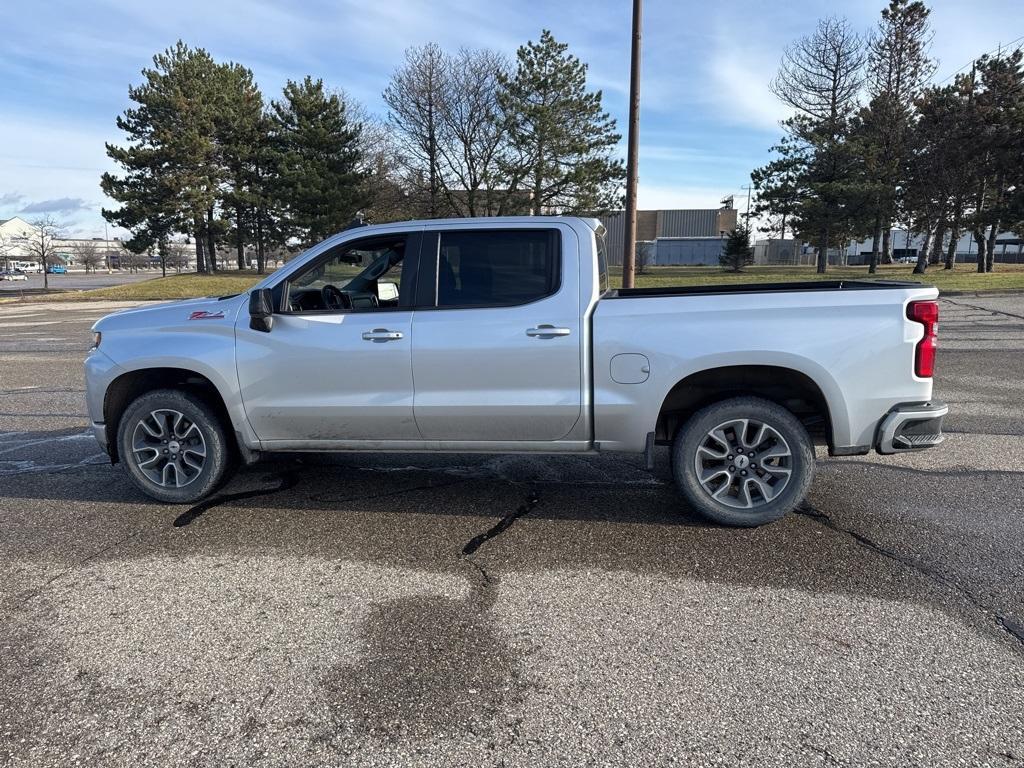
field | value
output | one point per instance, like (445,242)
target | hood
(209,309)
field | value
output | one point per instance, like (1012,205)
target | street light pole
(629,238)
(106,245)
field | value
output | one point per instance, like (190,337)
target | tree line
(467,133)
(872,142)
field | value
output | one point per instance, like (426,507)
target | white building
(1009,249)
(903,244)
(16,234)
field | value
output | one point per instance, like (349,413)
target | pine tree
(897,69)
(171,174)
(997,165)
(319,184)
(780,186)
(241,130)
(562,136)
(937,166)
(737,252)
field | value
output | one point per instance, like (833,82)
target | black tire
(204,431)
(736,477)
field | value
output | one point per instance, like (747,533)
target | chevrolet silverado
(503,336)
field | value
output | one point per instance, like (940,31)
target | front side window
(497,268)
(361,276)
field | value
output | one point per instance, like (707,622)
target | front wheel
(743,462)
(174,446)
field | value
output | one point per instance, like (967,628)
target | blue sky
(707,115)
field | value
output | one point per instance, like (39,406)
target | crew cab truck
(503,335)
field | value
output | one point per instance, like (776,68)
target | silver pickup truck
(504,336)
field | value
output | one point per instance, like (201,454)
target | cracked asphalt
(517,611)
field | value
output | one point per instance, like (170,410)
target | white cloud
(738,91)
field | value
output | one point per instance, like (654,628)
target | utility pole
(629,239)
(746,216)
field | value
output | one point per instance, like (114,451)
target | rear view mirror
(261,310)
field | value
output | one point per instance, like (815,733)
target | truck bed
(795,287)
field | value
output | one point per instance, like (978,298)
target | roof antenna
(357,221)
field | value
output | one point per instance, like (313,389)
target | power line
(998,49)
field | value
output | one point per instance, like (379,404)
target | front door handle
(545,331)
(381,334)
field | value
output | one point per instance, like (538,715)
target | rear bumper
(911,427)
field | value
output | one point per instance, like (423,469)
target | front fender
(181,337)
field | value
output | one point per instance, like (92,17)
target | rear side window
(497,268)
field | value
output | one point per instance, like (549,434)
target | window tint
(497,268)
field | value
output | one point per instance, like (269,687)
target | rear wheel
(743,462)
(174,446)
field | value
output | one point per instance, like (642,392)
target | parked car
(13,274)
(57,269)
(503,335)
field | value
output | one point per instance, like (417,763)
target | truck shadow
(593,512)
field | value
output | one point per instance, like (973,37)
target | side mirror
(387,291)
(261,310)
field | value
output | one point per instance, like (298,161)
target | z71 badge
(204,315)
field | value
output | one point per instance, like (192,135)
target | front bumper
(99,431)
(911,427)
(100,370)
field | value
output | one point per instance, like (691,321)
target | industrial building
(709,225)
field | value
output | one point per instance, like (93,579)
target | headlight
(96,338)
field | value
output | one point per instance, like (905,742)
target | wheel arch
(787,387)
(123,390)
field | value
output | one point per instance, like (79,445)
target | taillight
(927,314)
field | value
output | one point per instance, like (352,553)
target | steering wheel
(333,298)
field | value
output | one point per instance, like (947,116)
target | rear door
(496,350)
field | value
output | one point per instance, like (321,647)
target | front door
(336,366)
(497,336)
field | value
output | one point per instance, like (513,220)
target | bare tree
(131,260)
(40,244)
(177,255)
(383,172)
(88,255)
(474,150)
(6,249)
(414,98)
(821,75)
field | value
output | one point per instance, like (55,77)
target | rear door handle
(381,334)
(545,331)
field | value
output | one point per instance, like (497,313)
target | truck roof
(593,223)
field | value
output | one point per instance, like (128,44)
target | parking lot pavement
(324,611)
(76,280)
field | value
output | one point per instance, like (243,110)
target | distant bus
(28,266)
